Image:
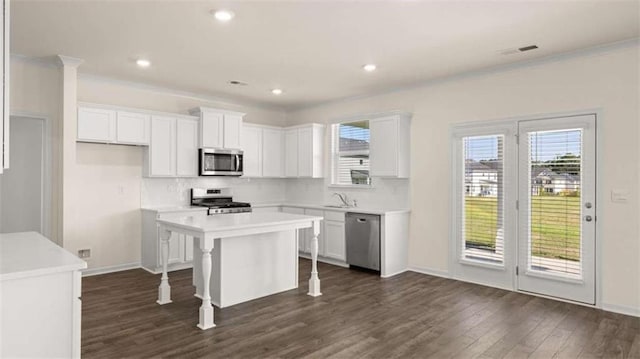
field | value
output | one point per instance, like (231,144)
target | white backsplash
(175,191)
(385,193)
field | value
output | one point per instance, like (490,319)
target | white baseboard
(170,268)
(430,271)
(109,269)
(394,274)
(334,262)
(621,309)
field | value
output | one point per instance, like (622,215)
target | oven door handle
(237,163)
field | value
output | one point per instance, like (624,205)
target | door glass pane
(482,218)
(555,164)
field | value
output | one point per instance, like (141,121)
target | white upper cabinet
(162,149)
(132,128)
(186,148)
(219,128)
(96,125)
(4,87)
(252,146)
(272,152)
(303,151)
(390,146)
(232,131)
(291,153)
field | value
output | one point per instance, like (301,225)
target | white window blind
(555,205)
(350,149)
(483,199)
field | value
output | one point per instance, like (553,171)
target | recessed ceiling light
(143,63)
(369,67)
(223,15)
(277,91)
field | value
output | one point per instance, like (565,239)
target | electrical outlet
(84,253)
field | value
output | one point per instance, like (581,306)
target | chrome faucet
(345,200)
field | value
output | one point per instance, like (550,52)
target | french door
(524,203)
(556,224)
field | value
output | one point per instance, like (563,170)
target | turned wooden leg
(206,309)
(164,290)
(314,281)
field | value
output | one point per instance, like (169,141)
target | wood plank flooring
(359,315)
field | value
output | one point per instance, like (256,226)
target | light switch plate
(620,195)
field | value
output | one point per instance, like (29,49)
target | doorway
(524,206)
(22,186)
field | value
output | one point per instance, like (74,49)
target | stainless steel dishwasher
(362,232)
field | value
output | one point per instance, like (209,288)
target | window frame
(336,154)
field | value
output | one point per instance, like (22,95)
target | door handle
(588,218)
(361,220)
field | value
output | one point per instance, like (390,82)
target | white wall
(605,79)
(107,179)
(36,90)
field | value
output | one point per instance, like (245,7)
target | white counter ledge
(254,254)
(367,210)
(29,254)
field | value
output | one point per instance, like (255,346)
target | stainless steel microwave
(220,162)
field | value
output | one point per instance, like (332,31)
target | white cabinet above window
(219,128)
(390,146)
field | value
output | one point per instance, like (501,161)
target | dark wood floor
(359,315)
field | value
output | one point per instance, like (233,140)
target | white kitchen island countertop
(368,210)
(29,254)
(237,221)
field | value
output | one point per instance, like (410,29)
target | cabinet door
(132,128)
(96,125)
(383,151)
(305,152)
(272,153)
(212,129)
(302,233)
(291,153)
(162,148)
(252,146)
(176,249)
(321,236)
(188,248)
(233,131)
(186,148)
(335,244)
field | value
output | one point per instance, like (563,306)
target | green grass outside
(555,224)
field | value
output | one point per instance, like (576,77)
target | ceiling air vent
(238,83)
(528,48)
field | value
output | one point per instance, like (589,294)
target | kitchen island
(252,255)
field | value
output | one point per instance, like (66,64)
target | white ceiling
(314,50)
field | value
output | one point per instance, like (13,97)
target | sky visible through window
(354,132)
(563,142)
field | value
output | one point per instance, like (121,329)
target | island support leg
(206,309)
(314,281)
(164,290)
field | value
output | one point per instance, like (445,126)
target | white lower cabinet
(180,246)
(335,246)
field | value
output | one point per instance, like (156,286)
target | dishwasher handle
(361,220)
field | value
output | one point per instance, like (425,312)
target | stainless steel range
(217,201)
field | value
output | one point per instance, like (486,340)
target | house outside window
(350,153)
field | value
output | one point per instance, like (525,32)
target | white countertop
(367,210)
(29,254)
(238,221)
(169,209)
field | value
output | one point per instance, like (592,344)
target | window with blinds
(555,205)
(350,153)
(483,200)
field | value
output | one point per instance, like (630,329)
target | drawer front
(334,216)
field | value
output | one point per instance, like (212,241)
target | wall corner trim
(621,309)
(70,61)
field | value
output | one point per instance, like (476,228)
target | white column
(314,281)
(164,290)
(206,309)
(68,132)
